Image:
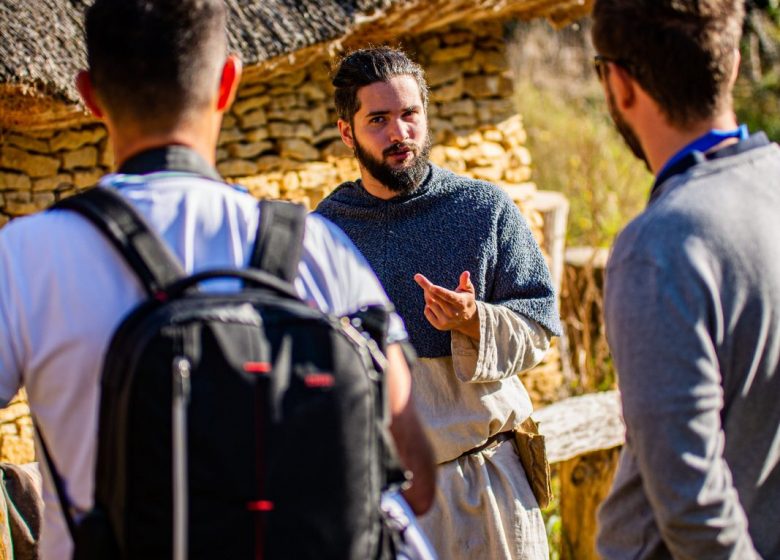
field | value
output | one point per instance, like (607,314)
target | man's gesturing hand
(449,310)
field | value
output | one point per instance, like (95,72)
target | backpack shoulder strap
(143,250)
(66,506)
(279,242)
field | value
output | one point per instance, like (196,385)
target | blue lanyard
(705,143)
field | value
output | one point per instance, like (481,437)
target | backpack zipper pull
(182,370)
(181,378)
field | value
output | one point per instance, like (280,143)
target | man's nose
(398,131)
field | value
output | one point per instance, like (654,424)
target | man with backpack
(160,78)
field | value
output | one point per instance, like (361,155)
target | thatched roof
(41,45)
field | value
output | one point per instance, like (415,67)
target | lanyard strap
(704,144)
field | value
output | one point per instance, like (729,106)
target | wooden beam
(580,425)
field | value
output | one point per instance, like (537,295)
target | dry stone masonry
(37,168)
(280,139)
(16,432)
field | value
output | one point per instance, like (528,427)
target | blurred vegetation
(757,93)
(576,151)
(574,145)
(552,517)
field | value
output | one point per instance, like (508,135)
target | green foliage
(577,151)
(757,92)
(758,105)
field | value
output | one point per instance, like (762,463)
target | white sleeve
(10,364)
(334,275)
(508,344)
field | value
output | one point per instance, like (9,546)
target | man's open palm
(449,310)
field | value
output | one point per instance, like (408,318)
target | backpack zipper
(182,370)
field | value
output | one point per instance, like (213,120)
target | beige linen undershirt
(484,507)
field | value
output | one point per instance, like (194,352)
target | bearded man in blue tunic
(461,266)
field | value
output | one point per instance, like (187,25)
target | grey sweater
(447,225)
(693,320)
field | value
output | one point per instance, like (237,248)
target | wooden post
(583,436)
(585,482)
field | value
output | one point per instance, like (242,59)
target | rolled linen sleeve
(509,343)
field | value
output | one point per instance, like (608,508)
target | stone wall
(38,168)
(280,141)
(16,432)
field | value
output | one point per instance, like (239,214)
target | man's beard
(402,180)
(625,130)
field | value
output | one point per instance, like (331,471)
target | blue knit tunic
(447,225)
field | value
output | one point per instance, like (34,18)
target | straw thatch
(41,45)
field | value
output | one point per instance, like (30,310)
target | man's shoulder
(648,237)
(344,195)
(325,241)
(705,207)
(323,232)
(479,194)
(39,228)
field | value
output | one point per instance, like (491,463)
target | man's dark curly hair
(680,51)
(367,66)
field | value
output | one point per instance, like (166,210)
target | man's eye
(377,120)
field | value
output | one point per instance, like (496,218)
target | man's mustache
(401,147)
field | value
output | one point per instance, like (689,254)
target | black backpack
(234,425)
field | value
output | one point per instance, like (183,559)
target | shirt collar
(694,158)
(169,158)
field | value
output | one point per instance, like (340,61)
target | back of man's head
(155,62)
(364,67)
(682,52)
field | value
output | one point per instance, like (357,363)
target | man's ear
(228,82)
(623,86)
(345,129)
(735,69)
(88,94)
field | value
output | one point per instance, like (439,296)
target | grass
(577,152)
(552,517)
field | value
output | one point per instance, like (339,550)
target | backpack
(234,425)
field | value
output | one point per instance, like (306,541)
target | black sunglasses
(600,65)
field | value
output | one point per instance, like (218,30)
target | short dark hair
(681,52)
(364,67)
(155,60)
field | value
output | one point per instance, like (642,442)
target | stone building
(280,138)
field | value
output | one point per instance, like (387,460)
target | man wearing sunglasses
(693,292)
